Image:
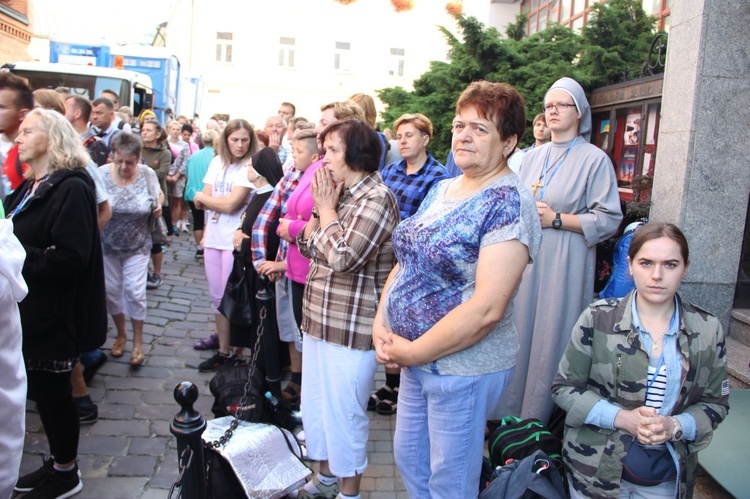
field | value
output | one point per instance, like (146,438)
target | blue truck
(144,77)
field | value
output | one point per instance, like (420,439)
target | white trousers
(125,280)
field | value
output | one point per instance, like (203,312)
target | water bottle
(272,400)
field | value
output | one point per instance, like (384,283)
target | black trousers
(53,395)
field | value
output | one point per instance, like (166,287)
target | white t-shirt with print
(220,227)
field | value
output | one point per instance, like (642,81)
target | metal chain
(178,483)
(222,441)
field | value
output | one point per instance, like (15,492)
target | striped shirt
(350,260)
(657,386)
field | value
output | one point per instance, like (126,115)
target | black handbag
(237,303)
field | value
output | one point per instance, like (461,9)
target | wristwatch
(677,430)
(315,214)
(557,222)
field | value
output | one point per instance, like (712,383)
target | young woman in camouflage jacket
(605,381)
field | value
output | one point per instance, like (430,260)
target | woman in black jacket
(54,217)
(264,173)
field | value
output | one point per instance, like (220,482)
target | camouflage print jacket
(605,359)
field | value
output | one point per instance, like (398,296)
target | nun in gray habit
(575,187)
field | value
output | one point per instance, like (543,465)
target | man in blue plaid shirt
(410,180)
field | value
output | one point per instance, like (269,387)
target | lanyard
(546,176)
(26,197)
(656,373)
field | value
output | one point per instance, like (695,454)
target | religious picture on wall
(604,135)
(626,171)
(633,128)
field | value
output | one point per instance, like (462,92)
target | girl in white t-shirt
(226,192)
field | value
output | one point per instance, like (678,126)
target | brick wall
(15,35)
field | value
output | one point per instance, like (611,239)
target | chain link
(222,441)
(178,483)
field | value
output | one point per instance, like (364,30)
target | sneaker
(40,482)
(153,282)
(199,252)
(215,362)
(176,231)
(31,480)
(185,226)
(326,491)
(58,485)
(88,412)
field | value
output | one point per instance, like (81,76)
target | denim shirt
(604,412)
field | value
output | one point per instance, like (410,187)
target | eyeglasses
(547,108)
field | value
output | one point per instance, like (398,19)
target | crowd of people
(471,281)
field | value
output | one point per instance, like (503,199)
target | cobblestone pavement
(130,453)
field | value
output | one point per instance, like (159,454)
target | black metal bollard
(188,426)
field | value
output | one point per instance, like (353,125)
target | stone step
(739,326)
(738,363)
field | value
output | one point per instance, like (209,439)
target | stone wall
(702,173)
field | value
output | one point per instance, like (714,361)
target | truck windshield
(87,86)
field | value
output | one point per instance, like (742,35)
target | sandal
(377,397)
(210,343)
(137,357)
(387,406)
(118,347)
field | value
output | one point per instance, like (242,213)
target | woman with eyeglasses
(574,185)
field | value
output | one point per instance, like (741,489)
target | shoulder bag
(156,225)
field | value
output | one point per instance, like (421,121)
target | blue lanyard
(546,176)
(656,373)
(26,197)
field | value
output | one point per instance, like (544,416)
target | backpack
(97,149)
(516,439)
(535,476)
(228,388)
(621,283)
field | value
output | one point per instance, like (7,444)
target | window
(286,52)
(341,57)
(398,56)
(223,46)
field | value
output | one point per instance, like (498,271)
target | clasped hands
(326,193)
(391,349)
(645,425)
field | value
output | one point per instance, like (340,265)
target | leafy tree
(617,39)
(517,30)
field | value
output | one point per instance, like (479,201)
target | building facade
(15,30)
(253,56)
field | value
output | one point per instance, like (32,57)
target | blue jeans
(439,439)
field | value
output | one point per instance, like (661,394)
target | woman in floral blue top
(446,317)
